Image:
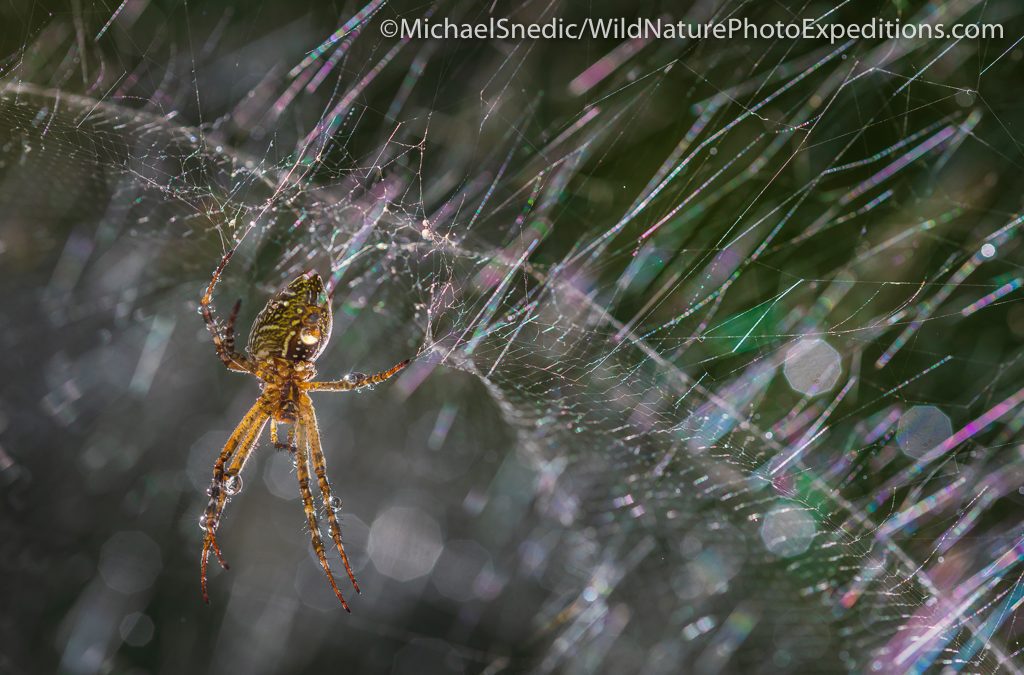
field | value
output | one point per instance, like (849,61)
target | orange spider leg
(290,445)
(225,343)
(356,380)
(242,440)
(229,327)
(242,433)
(320,468)
(302,464)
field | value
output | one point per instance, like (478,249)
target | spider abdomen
(295,324)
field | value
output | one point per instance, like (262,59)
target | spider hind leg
(237,449)
(320,468)
(302,466)
(278,445)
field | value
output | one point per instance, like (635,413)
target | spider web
(728,337)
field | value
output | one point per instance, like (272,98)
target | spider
(288,335)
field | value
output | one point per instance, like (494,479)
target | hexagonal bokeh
(922,428)
(812,366)
(130,562)
(788,529)
(404,543)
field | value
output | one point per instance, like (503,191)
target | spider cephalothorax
(288,335)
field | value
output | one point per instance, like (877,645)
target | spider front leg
(224,343)
(237,449)
(302,467)
(320,468)
(356,380)
(229,328)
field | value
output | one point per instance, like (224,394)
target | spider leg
(290,445)
(224,343)
(229,327)
(320,468)
(355,380)
(241,434)
(302,464)
(238,447)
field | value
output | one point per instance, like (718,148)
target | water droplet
(353,378)
(215,488)
(207,523)
(233,485)
(334,503)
